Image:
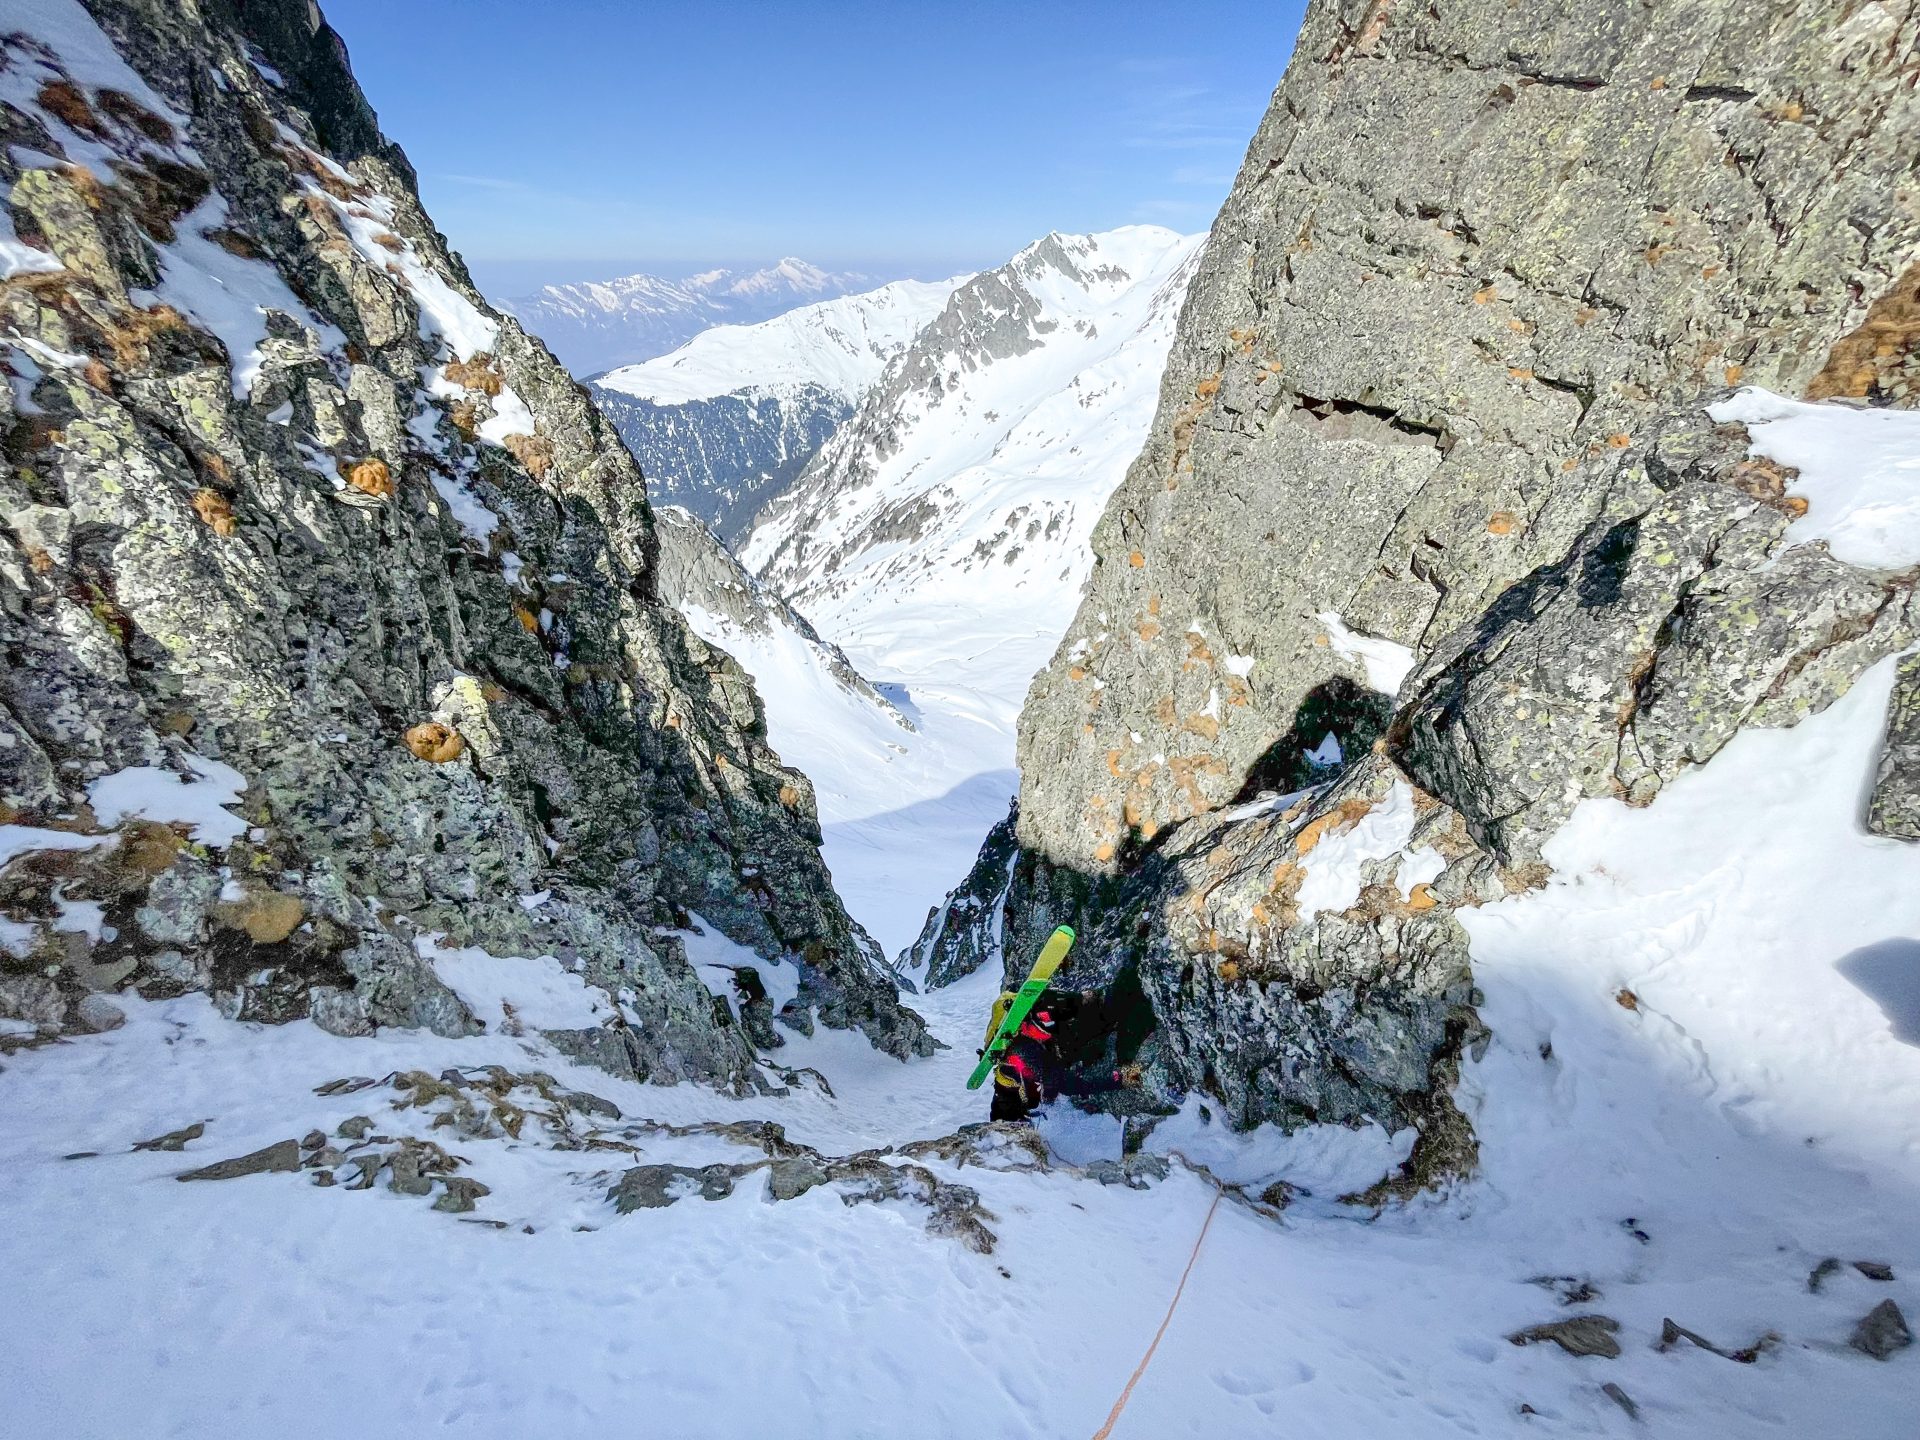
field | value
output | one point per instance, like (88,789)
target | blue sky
(578,138)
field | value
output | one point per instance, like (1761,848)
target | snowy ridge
(841,345)
(732,417)
(599,324)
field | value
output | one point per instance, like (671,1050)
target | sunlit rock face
(1436,425)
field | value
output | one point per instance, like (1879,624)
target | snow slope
(940,538)
(597,325)
(731,417)
(1694,1159)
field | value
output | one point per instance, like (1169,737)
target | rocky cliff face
(1438,405)
(328,603)
(724,457)
(700,578)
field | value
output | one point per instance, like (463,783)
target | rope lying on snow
(1106,1430)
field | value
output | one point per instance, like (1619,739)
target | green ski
(1052,954)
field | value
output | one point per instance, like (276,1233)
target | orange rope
(1106,1430)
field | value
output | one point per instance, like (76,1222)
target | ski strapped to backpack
(1052,955)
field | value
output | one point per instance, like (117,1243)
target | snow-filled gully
(1695,1159)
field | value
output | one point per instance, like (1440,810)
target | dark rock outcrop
(282,494)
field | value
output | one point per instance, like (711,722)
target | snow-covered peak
(787,275)
(841,344)
(1013,387)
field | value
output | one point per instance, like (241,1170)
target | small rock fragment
(313,1140)
(346,1085)
(1874,1269)
(173,1139)
(1580,1335)
(1672,1333)
(1881,1332)
(354,1127)
(1818,1275)
(282,1155)
(96,1014)
(1620,1397)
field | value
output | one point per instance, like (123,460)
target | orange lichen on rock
(1207,387)
(436,743)
(67,103)
(1136,559)
(1422,897)
(533,451)
(1104,851)
(789,795)
(1203,725)
(1344,816)
(529,622)
(1502,522)
(477,373)
(369,477)
(213,508)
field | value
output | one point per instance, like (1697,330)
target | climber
(1030,1072)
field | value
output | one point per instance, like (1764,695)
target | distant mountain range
(599,324)
(731,418)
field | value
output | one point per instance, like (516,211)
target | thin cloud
(486,182)
(1172,211)
(1182,117)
